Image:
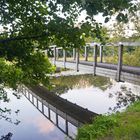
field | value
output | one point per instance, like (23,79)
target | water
(25,119)
(98,94)
(25,122)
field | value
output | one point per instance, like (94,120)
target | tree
(30,26)
(127,31)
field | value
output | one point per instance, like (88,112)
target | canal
(22,116)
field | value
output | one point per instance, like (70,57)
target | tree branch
(22,38)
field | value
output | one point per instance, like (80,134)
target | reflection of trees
(6,137)
(3,94)
(5,112)
(125,97)
(64,83)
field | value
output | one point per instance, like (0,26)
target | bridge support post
(56,119)
(86,53)
(49,113)
(25,92)
(120,61)
(42,108)
(101,53)
(29,96)
(77,59)
(67,127)
(95,60)
(74,54)
(54,55)
(64,58)
(32,99)
(57,53)
(37,103)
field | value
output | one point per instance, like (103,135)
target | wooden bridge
(47,102)
(119,72)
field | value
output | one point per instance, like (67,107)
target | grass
(90,59)
(129,58)
(120,126)
(59,69)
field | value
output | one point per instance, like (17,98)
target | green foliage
(9,74)
(35,69)
(100,127)
(129,124)
(31,71)
(122,30)
(130,57)
(101,36)
(120,126)
(133,58)
(31,26)
(111,59)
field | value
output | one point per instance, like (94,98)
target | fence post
(67,127)
(101,53)
(64,58)
(32,99)
(74,54)
(49,113)
(77,59)
(37,103)
(95,60)
(86,53)
(120,61)
(56,119)
(57,53)
(42,108)
(54,55)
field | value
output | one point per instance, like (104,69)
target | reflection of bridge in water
(62,113)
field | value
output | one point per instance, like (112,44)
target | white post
(74,54)
(101,53)
(86,53)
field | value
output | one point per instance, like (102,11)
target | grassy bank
(120,126)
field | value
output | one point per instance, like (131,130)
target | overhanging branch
(23,38)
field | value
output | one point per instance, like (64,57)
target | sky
(109,25)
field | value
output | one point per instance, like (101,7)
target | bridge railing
(97,48)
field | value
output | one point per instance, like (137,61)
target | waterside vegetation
(119,126)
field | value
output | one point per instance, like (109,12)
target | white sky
(99,18)
(109,25)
